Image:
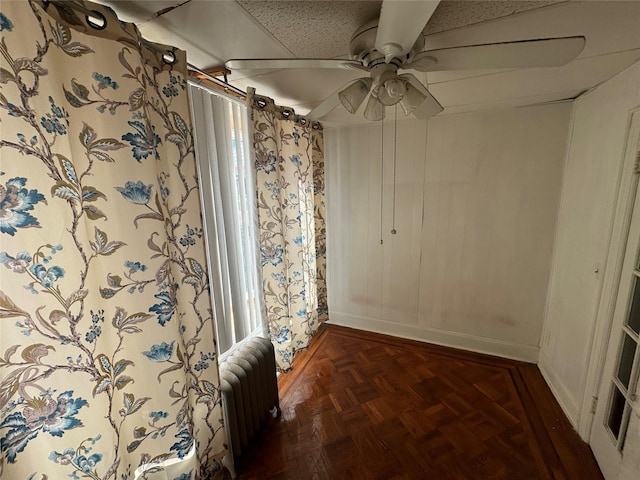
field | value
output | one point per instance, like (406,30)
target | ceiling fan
(394,42)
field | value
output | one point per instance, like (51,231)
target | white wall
(476,205)
(589,194)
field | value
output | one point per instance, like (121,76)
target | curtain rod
(221,83)
(197,82)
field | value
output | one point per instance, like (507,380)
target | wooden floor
(366,406)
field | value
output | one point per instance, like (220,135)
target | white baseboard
(567,401)
(515,351)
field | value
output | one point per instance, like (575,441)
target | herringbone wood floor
(366,406)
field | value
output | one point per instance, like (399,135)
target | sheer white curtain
(228,195)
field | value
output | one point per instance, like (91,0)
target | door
(617,404)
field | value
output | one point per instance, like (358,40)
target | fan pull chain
(395,153)
(381,177)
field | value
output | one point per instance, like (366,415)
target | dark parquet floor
(366,406)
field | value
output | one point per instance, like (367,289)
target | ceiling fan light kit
(395,41)
(411,100)
(374,111)
(353,96)
(390,89)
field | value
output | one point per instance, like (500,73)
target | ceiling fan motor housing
(362,46)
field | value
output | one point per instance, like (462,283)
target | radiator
(249,393)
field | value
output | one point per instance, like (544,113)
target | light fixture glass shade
(374,110)
(412,99)
(391,91)
(428,108)
(352,97)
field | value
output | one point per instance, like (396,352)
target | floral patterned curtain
(289,162)
(108,366)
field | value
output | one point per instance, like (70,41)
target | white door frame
(612,272)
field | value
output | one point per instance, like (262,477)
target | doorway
(617,404)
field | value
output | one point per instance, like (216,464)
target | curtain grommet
(169,57)
(96,20)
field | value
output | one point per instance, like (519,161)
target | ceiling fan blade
(279,63)
(401,23)
(327,105)
(430,106)
(547,52)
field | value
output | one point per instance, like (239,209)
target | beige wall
(589,193)
(489,253)
(476,204)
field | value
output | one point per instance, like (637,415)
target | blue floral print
(41,414)
(203,364)
(185,476)
(266,161)
(165,309)
(281,335)
(126,225)
(81,458)
(184,445)
(19,264)
(189,238)
(170,91)
(136,192)
(23,139)
(271,254)
(64,458)
(51,121)
(87,464)
(273,188)
(288,156)
(104,81)
(171,88)
(57,111)
(46,276)
(160,353)
(162,182)
(134,266)
(95,329)
(5,23)
(144,142)
(158,415)
(15,202)
(280,278)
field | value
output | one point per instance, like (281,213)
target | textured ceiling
(315,29)
(452,14)
(322,29)
(213,31)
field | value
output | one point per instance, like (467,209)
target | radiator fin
(249,391)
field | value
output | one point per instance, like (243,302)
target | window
(228,198)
